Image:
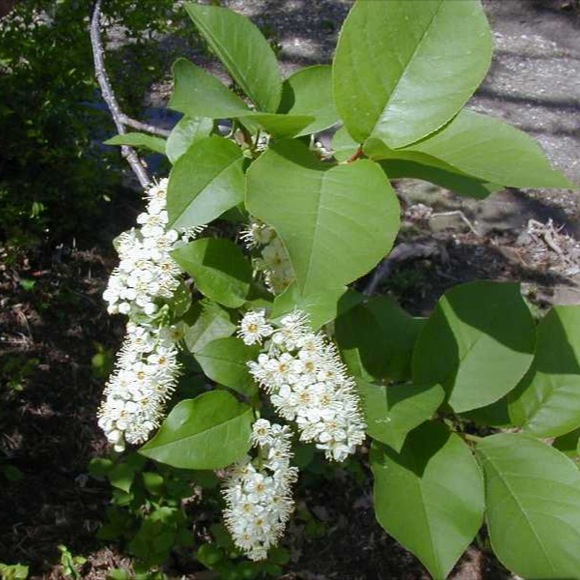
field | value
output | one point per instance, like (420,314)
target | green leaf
(156,144)
(219,268)
(533,506)
(343,145)
(197,93)
(206,181)
(206,321)
(211,431)
(185,133)
(321,307)
(225,361)
(403,69)
(280,126)
(122,476)
(429,496)
(478,344)
(392,412)
(568,444)
(243,50)
(485,148)
(494,415)
(336,222)
(547,401)
(376,339)
(452,180)
(309,92)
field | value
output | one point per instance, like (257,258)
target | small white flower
(254,328)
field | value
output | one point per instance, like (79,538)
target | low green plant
(262,324)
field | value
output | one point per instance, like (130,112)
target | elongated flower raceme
(307,383)
(273,261)
(258,492)
(144,377)
(146,369)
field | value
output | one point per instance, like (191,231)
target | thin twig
(109,96)
(460,214)
(128,122)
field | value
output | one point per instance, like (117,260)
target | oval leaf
(478,344)
(491,150)
(211,431)
(403,69)
(429,496)
(187,132)
(309,92)
(533,506)
(204,322)
(219,268)
(336,222)
(391,412)
(197,93)
(206,181)
(225,361)
(547,402)
(243,50)
(376,339)
(156,144)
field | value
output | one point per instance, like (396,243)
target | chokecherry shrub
(271,314)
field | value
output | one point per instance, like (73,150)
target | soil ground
(53,322)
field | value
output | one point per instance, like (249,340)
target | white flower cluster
(258,492)
(146,270)
(144,378)
(273,261)
(146,369)
(307,382)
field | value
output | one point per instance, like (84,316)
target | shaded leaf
(219,268)
(547,402)
(225,361)
(478,344)
(392,412)
(429,496)
(533,506)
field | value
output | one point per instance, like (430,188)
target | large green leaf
(478,344)
(207,180)
(225,361)
(403,69)
(155,144)
(309,92)
(429,496)
(219,268)
(243,50)
(208,432)
(206,321)
(547,402)
(336,222)
(455,181)
(533,506)
(391,412)
(185,133)
(376,339)
(483,147)
(321,307)
(197,93)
